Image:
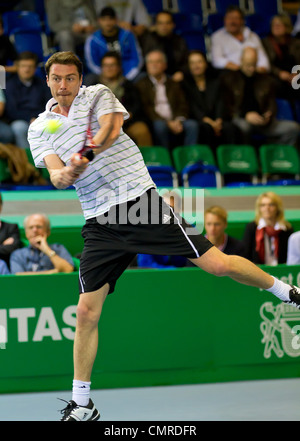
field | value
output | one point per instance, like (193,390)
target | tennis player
(112,189)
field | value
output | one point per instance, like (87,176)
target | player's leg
(86,335)
(89,308)
(243,271)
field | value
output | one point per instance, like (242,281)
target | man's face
(110,68)
(233,22)
(26,69)
(64,82)
(108,25)
(214,226)
(155,64)
(36,226)
(164,25)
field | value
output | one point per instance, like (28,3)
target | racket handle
(88,154)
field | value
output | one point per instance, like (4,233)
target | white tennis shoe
(74,412)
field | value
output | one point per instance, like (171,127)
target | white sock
(81,392)
(280,289)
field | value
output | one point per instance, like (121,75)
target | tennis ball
(53,125)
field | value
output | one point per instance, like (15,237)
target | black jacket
(250,244)
(9,230)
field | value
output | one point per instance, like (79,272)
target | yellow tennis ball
(53,125)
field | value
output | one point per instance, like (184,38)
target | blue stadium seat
(259,24)
(214,22)
(189,26)
(284,110)
(266,8)
(29,41)
(153,6)
(190,7)
(20,21)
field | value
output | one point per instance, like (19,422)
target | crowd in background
(175,95)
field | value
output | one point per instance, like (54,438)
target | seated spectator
(266,238)
(110,37)
(71,21)
(8,53)
(26,97)
(3,268)
(165,104)
(207,107)
(164,39)
(6,133)
(9,238)
(39,257)
(251,103)
(133,15)
(293,252)
(283,51)
(127,93)
(228,43)
(215,224)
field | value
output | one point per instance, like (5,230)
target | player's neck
(62,110)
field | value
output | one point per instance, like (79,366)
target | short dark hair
(235,8)
(28,55)
(108,12)
(165,12)
(112,54)
(67,58)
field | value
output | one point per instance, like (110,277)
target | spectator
(165,104)
(293,253)
(283,51)
(204,96)
(215,224)
(110,37)
(8,53)
(164,38)
(3,268)
(266,238)
(133,15)
(6,133)
(39,257)
(250,98)
(228,43)
(9,238)
(71,21)
(127,93)
(26,97)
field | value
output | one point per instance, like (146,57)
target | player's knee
(221,266)
(86,316)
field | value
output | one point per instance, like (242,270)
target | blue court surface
(271,400)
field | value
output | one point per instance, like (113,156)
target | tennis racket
(87,149)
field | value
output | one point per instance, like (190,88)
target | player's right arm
(63,176)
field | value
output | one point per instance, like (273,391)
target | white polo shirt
(226,48)
(115,176)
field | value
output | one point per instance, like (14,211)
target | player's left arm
(63,176)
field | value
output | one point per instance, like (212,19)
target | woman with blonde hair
(266,238)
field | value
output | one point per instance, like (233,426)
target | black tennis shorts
(146,225)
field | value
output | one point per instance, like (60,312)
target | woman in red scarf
(266,238)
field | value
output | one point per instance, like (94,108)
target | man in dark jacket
(26,97)
(252,105)
(164,38)
(9,238)
(165,105)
